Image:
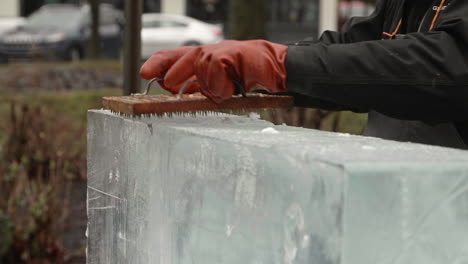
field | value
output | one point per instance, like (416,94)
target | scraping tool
(166,105)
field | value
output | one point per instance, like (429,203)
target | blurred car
(10,23)
(164,31)
(349,9)
(62,32)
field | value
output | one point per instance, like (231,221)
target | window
(162,23)
(171,23)
(151,24)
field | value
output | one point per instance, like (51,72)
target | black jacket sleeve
(423,76)
(357,29)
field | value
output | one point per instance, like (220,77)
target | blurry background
(55,64)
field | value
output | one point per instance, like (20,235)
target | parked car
(164,31)
(351,9)
(10,23)
(62,31)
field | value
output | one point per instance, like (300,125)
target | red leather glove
(254,64)
(159,64)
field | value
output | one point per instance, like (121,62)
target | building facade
(9,8)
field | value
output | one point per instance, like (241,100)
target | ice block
(229,189)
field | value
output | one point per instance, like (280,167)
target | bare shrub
(42,152)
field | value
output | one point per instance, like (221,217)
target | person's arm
(423,76)
(356,29)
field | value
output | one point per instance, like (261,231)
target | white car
(10,23)
(164,31)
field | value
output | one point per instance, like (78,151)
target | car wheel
(192,43)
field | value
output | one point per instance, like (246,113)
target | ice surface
(220,190)
(270,130)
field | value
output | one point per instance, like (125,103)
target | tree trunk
(132,46)
(247,19)
(95,41)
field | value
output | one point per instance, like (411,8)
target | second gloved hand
(254,64)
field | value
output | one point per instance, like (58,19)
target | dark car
(62,32)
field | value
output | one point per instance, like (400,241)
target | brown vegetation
(42,152)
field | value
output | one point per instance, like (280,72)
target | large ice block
(227,189)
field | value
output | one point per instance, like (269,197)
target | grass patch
(90,64)
(345,122)
(73,104)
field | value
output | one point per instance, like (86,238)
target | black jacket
(417,76)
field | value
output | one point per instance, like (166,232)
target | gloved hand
(254,64)
(159,64)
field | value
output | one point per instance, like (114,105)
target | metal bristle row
(264,113)
(192,114)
